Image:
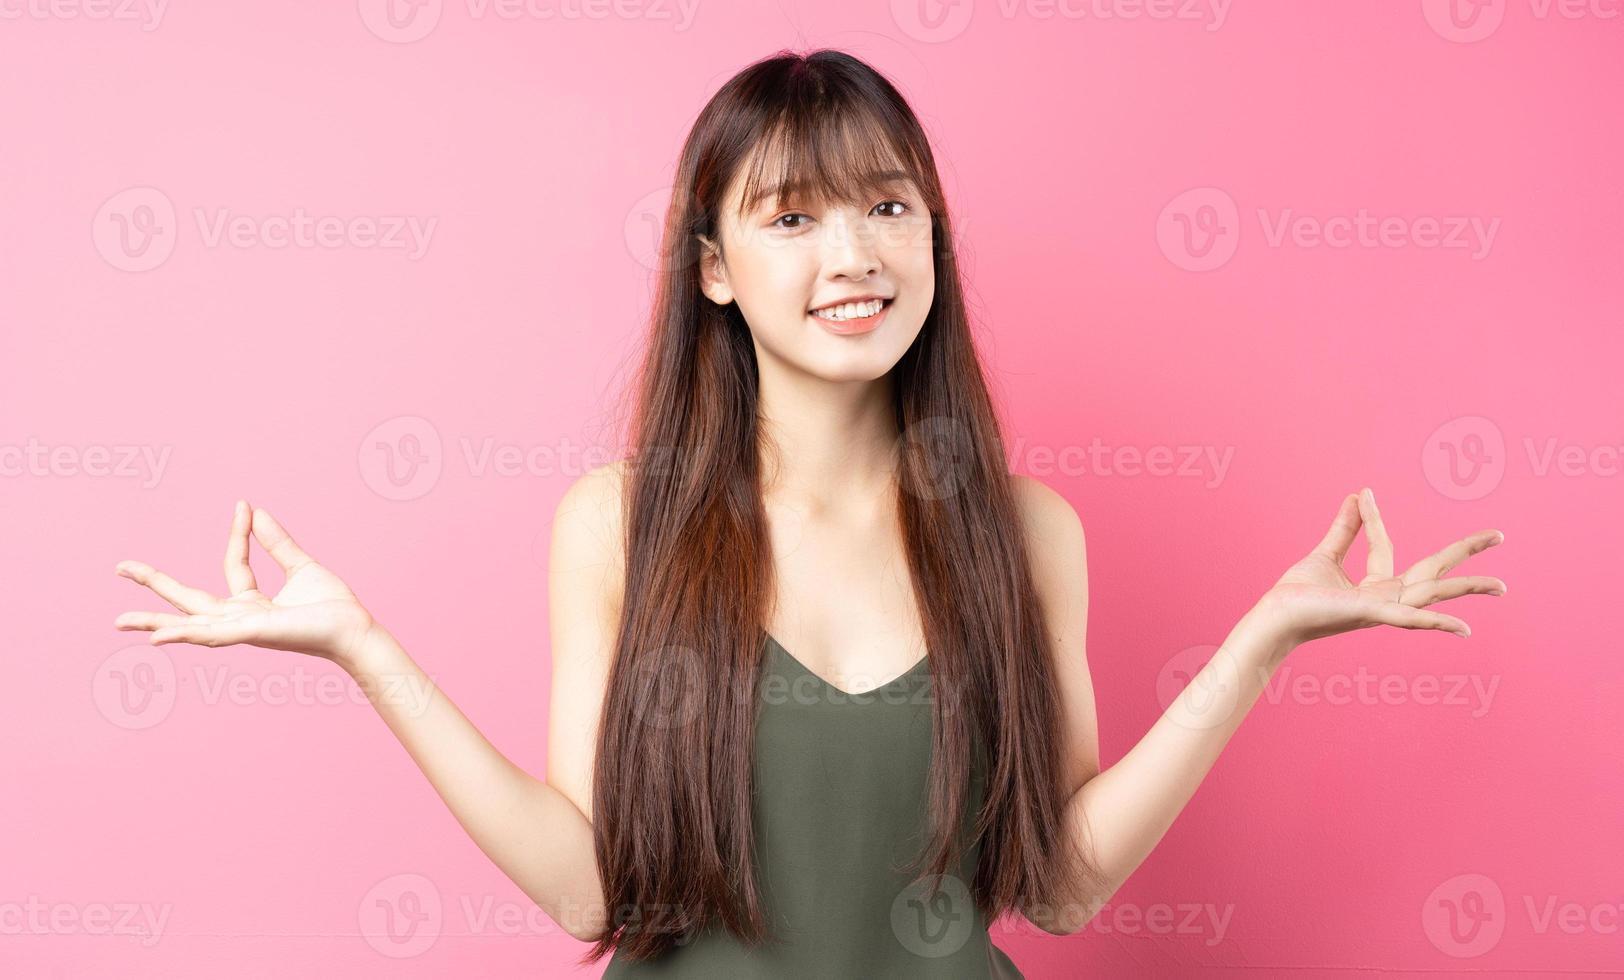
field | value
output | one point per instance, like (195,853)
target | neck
(831,444)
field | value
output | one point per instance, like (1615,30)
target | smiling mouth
(858,320)
(848,312)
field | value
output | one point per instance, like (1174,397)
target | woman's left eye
(901,204)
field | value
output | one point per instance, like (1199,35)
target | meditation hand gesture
(1315,598)
(315,613)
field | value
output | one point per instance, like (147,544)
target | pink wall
(162,353)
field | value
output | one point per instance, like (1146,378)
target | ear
(713,272)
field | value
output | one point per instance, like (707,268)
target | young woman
(820,703)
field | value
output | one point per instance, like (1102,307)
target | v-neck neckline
(918,664)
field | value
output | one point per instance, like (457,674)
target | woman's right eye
(793,214)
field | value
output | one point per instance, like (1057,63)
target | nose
(849,250)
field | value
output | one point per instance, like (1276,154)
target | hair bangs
(819,157)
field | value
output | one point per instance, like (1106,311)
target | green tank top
(841,783)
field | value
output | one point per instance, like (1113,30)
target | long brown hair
(672,779)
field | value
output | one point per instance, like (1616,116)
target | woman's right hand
(315,613)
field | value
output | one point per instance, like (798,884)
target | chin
(849,372)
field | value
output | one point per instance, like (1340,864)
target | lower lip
(848,327)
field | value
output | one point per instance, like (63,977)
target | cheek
(772,291)
(913,255)
(917,276)
(781,281)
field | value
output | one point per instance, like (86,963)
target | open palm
(1316,598)
(314,612)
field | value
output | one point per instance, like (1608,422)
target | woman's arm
(1117,817)
(538,833)
(528,829)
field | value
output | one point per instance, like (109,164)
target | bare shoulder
(1058,552)
(586,567)
(1051,522)
(592,504)
(586,584)
(1058,556)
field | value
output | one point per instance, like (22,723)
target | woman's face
(781,264)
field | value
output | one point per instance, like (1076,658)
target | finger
(1435,565)
(204,631)
(277,541)
(146,620)
(1344,528)
(1379,562)
(1410,618)
(1437,590)
(182,597)
(239,573)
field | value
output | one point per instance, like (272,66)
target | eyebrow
(882,177)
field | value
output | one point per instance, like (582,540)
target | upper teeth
(848,311)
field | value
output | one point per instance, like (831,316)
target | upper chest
(843,599)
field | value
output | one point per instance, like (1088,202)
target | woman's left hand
(1315,598)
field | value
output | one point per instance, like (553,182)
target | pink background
(271,824)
